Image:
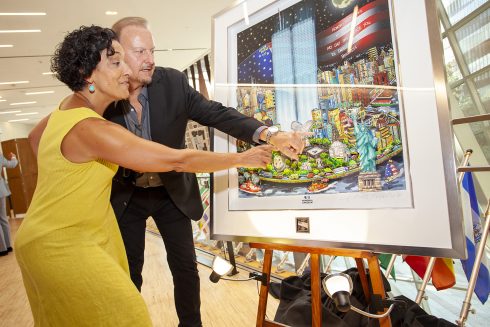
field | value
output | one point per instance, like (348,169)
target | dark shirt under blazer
(172,103)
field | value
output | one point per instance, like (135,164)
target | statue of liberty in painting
(369,179)
(366,146)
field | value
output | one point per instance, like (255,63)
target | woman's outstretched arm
(95,138)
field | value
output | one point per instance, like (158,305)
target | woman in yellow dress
(69,247)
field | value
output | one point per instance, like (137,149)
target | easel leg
(316,303)
(364,280)
(264,289)
(378,287)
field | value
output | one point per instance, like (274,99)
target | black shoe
(9,249)
(2,253)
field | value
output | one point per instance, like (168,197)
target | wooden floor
(226,303)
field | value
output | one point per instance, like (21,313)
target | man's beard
(145,80)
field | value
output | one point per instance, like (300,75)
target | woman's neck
(91,101)
(86,102)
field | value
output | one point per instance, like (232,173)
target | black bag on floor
(414,316)
(295,302)
(294,308)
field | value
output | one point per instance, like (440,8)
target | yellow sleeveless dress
(69,247)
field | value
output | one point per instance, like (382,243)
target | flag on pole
(473,232)
(442,273)
(384,261)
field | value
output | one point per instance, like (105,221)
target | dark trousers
(176,231)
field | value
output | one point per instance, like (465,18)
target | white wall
(10,131)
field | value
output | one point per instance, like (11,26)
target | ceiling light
(27,113)
(48,73)
(20,31)
(9,112)
(22,14)
(111,13)
(15,82)
(3,100)
(6,45)
(21,103)
(14,120)
(40,92)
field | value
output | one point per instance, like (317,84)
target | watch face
(273,129)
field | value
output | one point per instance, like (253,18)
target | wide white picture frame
(427,218)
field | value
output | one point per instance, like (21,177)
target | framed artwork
(378,171)
(197,136)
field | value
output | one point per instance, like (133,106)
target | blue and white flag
(473,232)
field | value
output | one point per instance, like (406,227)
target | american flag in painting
(257,68)
(372,27)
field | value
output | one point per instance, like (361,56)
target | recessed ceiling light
(27,113)
(6,45)
(9,112)
(2,100)
(14,120)
(48,73)
(21,103)
(111,13)
(22,14)
(40,92)
(14,82)
(20,31)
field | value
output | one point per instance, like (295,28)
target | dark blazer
(172,103)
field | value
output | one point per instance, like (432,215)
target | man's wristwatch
(271,131)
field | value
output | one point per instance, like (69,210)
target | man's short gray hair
(128,21)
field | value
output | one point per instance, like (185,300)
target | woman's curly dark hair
(77,56)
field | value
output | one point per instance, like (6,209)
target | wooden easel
(316,309)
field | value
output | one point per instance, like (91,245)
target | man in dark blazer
(160,104)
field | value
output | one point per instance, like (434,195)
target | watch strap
(268,136)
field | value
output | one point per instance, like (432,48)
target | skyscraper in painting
(283,67)
(305,64)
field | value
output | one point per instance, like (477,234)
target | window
(466,40)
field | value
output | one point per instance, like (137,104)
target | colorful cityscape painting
(325,67)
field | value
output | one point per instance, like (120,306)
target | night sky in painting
(326,14)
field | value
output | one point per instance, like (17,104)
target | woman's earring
(91,88)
